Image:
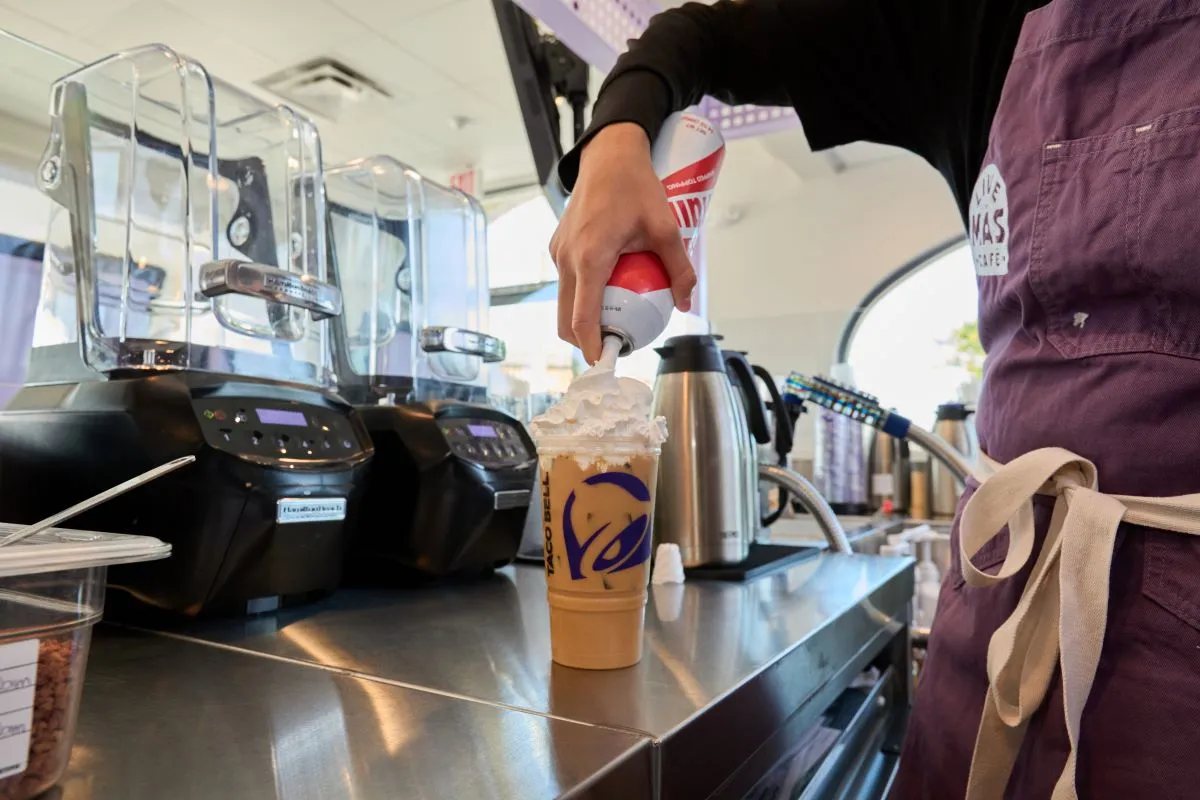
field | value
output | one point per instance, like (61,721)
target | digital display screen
(277,416)
(482,431)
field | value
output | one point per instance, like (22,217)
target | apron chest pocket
(1115,237)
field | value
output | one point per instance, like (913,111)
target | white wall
(783,279)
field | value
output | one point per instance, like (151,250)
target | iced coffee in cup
(598,452)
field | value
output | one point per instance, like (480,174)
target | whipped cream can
(637,302)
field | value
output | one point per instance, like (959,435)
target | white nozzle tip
(608,355)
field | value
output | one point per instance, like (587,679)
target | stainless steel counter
(754,658)
(165,718)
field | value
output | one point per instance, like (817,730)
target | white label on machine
(18,679)
(882,484)
(308,509)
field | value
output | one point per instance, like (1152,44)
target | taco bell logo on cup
(687,158)
(611,545)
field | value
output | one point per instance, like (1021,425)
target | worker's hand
(618,206)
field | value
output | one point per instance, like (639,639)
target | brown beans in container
(61,663)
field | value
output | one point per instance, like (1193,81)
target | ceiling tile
(152,21)
(289,31)
(366,132)
(404,76)
(372,12)
(460,39)
(46,35)
(28,70)
(345,144)
(500,94)
(72,16)
(27,27)
(439,59)
(74,47)
(434,117)
(493,139)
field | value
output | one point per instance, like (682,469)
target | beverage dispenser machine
(450,483)
(186,309)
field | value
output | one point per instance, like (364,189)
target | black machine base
(256,522)
(446,496)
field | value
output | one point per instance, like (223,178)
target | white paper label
(882,484)
(307,509)
(18,679)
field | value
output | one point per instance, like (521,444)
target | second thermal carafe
(952,425)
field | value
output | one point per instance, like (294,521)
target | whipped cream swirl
(598,404)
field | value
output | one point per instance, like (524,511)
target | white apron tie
(1063,612)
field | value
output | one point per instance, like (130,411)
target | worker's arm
(853,69)
(890,71)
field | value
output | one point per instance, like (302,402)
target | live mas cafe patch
(988,223)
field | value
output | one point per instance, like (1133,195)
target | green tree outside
(967,352)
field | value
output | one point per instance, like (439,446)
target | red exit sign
(466,181)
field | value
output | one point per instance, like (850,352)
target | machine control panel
(275,429)
(487,442)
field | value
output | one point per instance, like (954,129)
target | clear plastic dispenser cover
(411,257)
(191,231)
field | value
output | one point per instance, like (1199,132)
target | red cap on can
(640,272)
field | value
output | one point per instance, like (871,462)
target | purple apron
(1085,229)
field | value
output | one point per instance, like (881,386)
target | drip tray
(763,560)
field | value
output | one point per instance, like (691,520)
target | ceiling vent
(324,87)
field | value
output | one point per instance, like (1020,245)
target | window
(518,244)
(914,342)
(524,299)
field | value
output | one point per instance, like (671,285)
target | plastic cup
(597,526)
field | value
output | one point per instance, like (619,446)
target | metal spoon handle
(95,500)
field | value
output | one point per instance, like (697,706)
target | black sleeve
(896,72)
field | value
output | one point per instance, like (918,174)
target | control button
(256,437)
(282,441)
(505,433)
(241,417)
(510,451)
(326,444)
(470,449)
(347,444)
(226,434)
(306,444)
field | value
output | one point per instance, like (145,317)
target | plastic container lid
(59,549)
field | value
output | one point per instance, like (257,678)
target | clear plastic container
(51,596)
(411,258)
(191,231)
